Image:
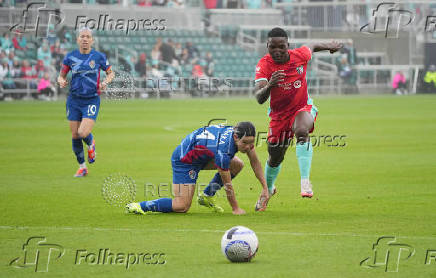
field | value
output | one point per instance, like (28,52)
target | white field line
(64,228)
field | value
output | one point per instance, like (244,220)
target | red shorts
(281,130)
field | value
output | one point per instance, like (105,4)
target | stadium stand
(220,39)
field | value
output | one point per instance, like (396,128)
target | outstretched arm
(257,169)
(331,46)
(227,182)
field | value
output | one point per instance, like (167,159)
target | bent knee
(82,134)
(236,165)
(302,134)
(181,206)
(276,160)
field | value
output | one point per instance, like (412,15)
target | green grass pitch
(381,183)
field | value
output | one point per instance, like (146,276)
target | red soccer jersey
(291,94)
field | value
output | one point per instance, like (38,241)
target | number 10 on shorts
(92,109)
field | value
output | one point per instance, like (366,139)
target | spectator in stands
(66,44)
(16,71)
(159,2)
(6,43)
(253,4)
(144,3)
(210,64)
(44,54)
(132,62)
(176,4)
(16,42)
(155,55)
(192,50)
(46,89)
(399,85)
(11,58)
(22,41)
(233,4)
(178,51)
(29,73)
(2,55)
(350,51)
(430,79)
(6,75)
(184,58)
(57,54)
(51,36)
(210,4)
(167,51)
(141,68)
(40,68)
(197,71)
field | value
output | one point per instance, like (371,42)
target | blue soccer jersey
(206,143)
(85,69)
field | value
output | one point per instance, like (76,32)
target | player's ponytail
(244,129)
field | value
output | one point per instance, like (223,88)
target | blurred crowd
(30,65)
(169,60)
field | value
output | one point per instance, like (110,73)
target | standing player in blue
(208,148)
(83,102)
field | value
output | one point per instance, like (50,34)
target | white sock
(305,181)
(83,165)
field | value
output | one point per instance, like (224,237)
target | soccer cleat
(209,202)
(262,203)
(306,190)
(91,153)
(81,172)
(134,208)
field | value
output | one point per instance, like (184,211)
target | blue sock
(160,205)
(271,174)
(88,139)
(215,184)
(304,155)
(78,150)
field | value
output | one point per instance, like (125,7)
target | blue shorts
(78,108)
(183,173)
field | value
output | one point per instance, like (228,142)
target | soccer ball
(239,244)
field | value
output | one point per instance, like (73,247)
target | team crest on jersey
(297,84)
(257,69)
(92,64)
(300,69)
(192,174)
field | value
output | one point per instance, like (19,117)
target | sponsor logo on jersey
(300,69)
(297,84)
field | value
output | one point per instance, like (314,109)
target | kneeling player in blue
(83,101)
(208,148)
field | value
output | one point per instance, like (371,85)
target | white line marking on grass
(63,228)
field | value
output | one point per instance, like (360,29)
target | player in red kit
(281,76)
